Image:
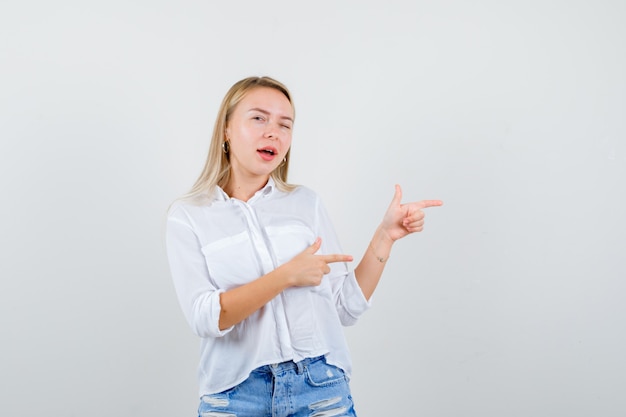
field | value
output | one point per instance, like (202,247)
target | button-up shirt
(224,243)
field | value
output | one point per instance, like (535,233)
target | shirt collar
(268,189)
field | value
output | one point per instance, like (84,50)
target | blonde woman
(260,274)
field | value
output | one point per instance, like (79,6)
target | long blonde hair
(216,171)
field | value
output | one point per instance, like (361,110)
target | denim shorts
(308,388)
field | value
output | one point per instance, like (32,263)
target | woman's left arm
(399,221)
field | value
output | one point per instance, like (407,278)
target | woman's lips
(268,153)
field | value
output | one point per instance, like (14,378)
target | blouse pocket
(289,240)
(232,261)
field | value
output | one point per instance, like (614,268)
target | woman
(259,272)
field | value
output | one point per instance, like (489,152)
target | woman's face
(259,133)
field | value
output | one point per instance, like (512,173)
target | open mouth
(268,151)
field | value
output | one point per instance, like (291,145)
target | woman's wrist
(379,258)
(283,276)
(380,245)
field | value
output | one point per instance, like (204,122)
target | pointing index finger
(336,258)
(429,203)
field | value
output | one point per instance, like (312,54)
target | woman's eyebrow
(260,110)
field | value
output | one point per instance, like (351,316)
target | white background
(510,303)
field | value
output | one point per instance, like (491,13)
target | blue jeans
(308,388)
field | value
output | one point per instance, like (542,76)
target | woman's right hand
(308,269)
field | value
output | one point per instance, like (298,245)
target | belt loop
(300,367)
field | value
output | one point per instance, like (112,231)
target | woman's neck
(244,190)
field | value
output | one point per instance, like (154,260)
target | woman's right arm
(305,269)
(212,311)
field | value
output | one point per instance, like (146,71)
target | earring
(225,147)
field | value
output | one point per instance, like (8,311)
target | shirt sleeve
(348,296)
(198,298)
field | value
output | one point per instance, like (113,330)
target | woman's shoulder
(186,206)
(303,192)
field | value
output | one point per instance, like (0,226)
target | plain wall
(510,303)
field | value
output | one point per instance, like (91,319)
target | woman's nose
(272,131)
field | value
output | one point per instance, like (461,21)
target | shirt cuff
(212,317)
(354,301)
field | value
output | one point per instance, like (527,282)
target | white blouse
(225,243)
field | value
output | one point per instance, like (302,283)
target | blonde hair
(216,171)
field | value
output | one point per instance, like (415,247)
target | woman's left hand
(403,219)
